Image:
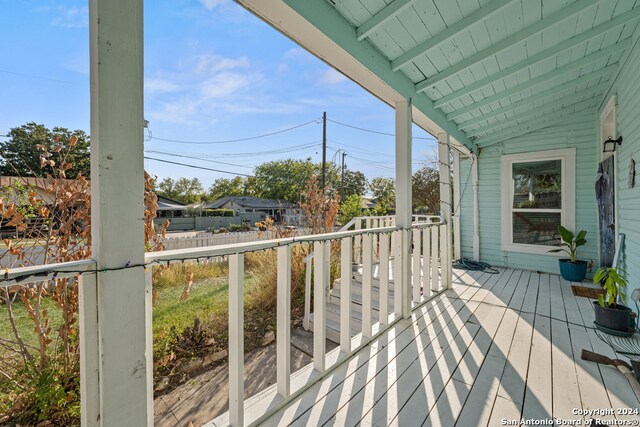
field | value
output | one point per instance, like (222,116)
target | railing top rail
(41,273)
(235,248)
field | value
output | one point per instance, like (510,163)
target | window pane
(537,184)
(536,228)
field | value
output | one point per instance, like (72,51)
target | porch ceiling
(486,70)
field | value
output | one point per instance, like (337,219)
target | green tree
(355,183)
(20,156)
(222,187)
(425,191)
(350,208)
(286,179)
(183,190)
(383,191)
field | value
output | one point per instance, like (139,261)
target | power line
(374,131)
(353,147)
(164,153)
(178,141)
(31,76)
(197,167)
(293,148)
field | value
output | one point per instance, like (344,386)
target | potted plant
(572,269)
(609,314)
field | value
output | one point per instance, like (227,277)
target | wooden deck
(497,346)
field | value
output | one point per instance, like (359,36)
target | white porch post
(403,202)
(444,148)
(476,207)
(117,214)
(456,205)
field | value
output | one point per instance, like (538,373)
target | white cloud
(212,4)
(200,87)
(214,63)
(332,77)
(282,68)
(160,85)
(224,85)
(294,52)
(71,17)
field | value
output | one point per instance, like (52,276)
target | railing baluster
(307,293)
(393,245)
(435,254)
(397,273)
(367,278)
(426,261)
(345,295)
(415,271)
(357,242)
(148,301)
(383,308)
(89,350)
(236,339)
(320,286)
(283,345)
(445,256)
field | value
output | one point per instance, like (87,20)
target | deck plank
(478,407)
(496,346)
(566,394)
(397,366)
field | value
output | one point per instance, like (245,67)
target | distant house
(277,209)
(42,190)
(169,208)
(367,203)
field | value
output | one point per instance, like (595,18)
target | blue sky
(213,72)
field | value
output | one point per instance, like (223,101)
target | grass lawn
(24,324)
(208,299)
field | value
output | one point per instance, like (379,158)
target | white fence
(202,240)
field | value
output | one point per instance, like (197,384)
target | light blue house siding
(627,89)
(579,132)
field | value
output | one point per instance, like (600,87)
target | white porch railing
(425,276)
(360,223)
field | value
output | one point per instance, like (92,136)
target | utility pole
(344,154)
(324,149)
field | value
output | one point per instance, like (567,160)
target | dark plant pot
(573,271)
(615,317)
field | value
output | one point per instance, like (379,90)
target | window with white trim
(538,194)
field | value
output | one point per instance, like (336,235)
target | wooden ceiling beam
(541,56)
(507,42)
(536,124)
(462,25)
(543,78)
(385,14)
(556,90)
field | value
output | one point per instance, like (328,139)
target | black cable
(196,167)
(470,265)
(294,241)
(164,153)
(374,131)
(178,141)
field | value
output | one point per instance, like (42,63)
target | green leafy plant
(570,242)
(613,282)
